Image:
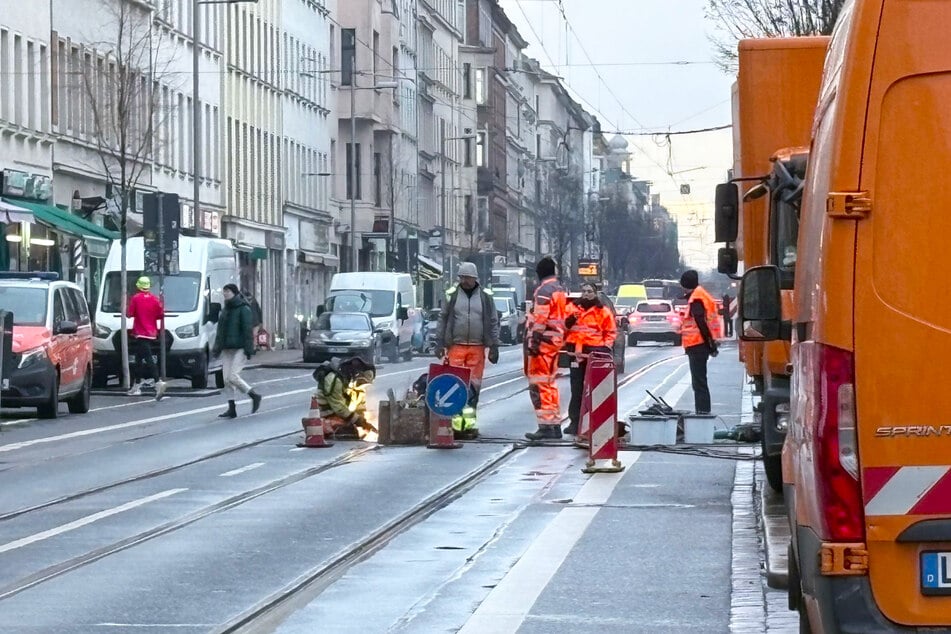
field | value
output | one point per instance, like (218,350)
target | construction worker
(146,313)
(468,326)
(699,333)
(340,386)
(592,327)
(546,337)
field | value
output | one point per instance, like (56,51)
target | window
(348,55)
(59,308)
(376,55)
(353,162)
(480,86)
(467,151)
(396,63)
(469,210)
(481,149)
(467,81)
(377,180)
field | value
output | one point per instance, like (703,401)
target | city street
(162,516)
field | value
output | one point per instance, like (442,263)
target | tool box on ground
(403,422)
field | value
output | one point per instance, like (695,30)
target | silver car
(508,319)
(342,335)
(654,320)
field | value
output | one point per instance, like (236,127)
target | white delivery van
(389,299)
(193,301)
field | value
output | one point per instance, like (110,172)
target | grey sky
(625,38)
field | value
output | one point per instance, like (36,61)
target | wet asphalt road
(162,516)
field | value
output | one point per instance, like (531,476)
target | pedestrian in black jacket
(234,343)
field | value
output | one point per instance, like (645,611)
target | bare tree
(119,77)
(561,216)
(741,19)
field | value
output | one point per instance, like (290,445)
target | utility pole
(354,253)
(196,123)
(442,204)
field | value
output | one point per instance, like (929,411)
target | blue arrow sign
(446,395)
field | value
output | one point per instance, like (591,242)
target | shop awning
(62,220)
(428,269)
(12,213)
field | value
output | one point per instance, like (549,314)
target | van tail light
(836,450)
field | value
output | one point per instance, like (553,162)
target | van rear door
(902,320)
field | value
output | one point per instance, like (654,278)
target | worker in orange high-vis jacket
(545,340)
(699,333)
(592,327)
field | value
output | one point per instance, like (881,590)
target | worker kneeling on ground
(341,396)
(468,326)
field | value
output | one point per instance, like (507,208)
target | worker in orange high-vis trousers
(699,333)
(592,327)
(468,328)
(545,340)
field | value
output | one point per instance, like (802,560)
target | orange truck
(774,102)
(869,444)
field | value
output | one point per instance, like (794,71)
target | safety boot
(545,432)
(571,429)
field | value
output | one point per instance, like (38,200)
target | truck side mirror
(727,261)
(727,215)
(214,312)
(402,313)
(522,307)
(760,305)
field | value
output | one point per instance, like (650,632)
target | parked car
(520,307)
(430,322)
(337,334)
(620,344)
(52,344)
(654,320)
(508,319)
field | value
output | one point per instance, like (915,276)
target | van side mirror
(66,327)
(214,312)
(727,214)
(522,306)
(760,305)
(728,261)
(402,313)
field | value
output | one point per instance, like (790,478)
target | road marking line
(135,423)
(234,472)
(83,521)
(506,607)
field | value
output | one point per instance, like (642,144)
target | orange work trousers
(542,370)
(472,357)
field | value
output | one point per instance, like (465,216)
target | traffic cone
(440,433)
(314,428)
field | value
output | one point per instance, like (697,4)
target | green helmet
(143,283)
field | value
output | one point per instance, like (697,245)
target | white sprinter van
(389,299)
(193,302)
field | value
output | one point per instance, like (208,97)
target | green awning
(63,220)
(259,253)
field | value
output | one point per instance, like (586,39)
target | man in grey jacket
(468,325)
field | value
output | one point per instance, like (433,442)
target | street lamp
(196,104)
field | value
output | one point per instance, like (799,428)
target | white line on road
(134,423)
(509,603)
(89,519)
(234,472)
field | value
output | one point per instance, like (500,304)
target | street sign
(446,395)
(588,267)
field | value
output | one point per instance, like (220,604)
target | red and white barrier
(601,397)
(440,433)
(314,430)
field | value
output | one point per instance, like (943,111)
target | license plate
(655,318)
(337,350)
(936,573)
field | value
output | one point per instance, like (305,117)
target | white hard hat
(468,269)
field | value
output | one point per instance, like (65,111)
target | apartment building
(311,246)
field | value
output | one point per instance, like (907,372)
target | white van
(389,299)
(193,301)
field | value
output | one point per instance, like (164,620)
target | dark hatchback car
(342,335)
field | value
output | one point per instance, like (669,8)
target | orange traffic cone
(314,428)
(440,433)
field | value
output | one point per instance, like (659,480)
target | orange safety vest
(690,332)
(595,326)
(549,312)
